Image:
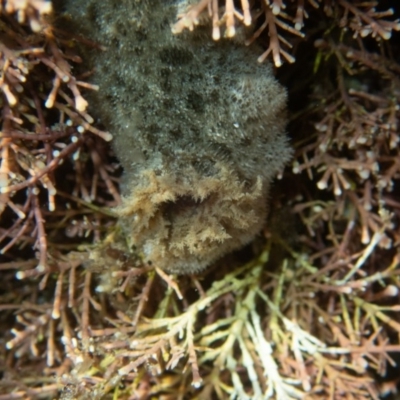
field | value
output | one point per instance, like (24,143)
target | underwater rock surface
(198,126)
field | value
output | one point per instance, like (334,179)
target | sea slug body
(199,128)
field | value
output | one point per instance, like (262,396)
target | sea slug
(199,128)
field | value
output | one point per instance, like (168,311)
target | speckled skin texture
(198,127)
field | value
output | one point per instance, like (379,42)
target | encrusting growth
(198,129)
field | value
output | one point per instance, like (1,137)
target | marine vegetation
(199,199)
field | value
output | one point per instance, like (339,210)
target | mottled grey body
(198,127)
